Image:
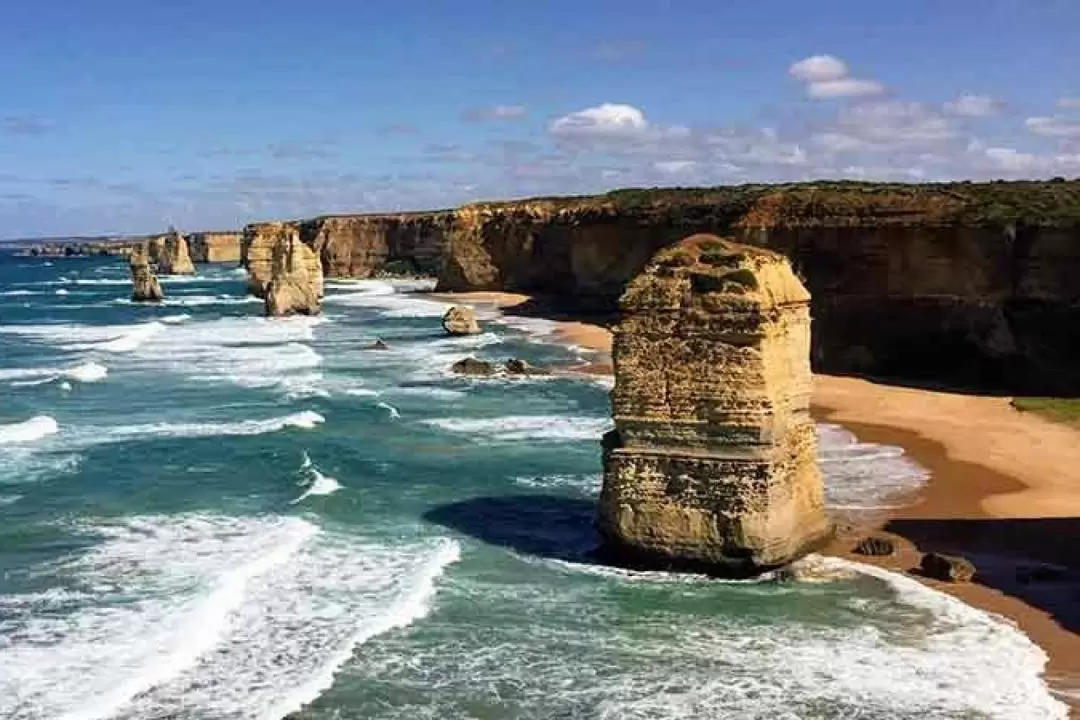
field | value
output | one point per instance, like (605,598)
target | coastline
(1004,491)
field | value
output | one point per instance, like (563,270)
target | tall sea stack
(712,465)
(146,287)
(174,258)
(296,279)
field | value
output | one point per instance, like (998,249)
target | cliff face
(961,284)
(215,246)
(712,463)
(257,252)
(363,245)
(296,279)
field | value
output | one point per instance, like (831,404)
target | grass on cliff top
(1061,410)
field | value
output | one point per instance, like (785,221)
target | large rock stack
(296,279)
(174,258)
(712,463)
(146,287)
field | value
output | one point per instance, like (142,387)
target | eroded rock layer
(712,464)
(173,256)
(212,247)
(296,280)
(145,285)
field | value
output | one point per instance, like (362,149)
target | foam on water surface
(208,616)
(519,428)
(313,481)
(84,372)
(28,431)
(865,476)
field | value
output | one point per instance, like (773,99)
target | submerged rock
(949,568)
(460,320)
(472,366)
(296,282)
(146,287)
(173,256)
(379,344)
(712,465)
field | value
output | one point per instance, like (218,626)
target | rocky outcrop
(947,568)
(472,366)
(173,256)
(213,247)
(296,280)
(145,285)
(964,284)
(257,252)
(712,463)
(876,546)
(460,320)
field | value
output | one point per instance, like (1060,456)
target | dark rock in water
(949,568)
(460,320)
(876,545)
(379,344)
(1040,573)
(472,366)
(516,366)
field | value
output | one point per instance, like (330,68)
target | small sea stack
(461,320)
(712,465)
(296,279)
(174,258)
(146,287)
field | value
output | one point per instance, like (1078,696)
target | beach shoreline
(1004,490)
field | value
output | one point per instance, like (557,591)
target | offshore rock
(146,286)
(460,320)
(257,252)
(947,568)
(296,281)
(472,366)
(173,257)
(517,366)
(712,463)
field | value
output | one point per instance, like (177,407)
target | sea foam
(209,615)
(28,431)
(516,428)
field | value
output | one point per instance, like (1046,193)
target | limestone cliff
(296,279)
(212,247)
(969,284)
(145,285)
(173,256)
(257,252)
(712,464)
(366,245)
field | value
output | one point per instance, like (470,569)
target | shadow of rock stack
(712,463)
(146,287)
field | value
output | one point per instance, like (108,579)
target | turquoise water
(206,514)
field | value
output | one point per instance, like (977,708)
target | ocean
(207,514)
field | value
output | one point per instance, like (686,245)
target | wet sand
(1004,491)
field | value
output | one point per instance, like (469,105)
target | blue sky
(122,116)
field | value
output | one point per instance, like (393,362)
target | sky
(124,116)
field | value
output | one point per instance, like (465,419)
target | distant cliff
(215,246)
(965,283)
(971,284)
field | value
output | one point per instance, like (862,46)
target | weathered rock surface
(948,568)
(146,287)
(472,366)
(257,252)
(876,546)
(296,281)
(517,366)
(213,247)
(173,256)
(368,245)
(460,320)
(712,463)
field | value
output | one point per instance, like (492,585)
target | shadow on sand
(547,526)
(1034,560)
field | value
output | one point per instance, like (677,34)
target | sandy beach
(1004,491)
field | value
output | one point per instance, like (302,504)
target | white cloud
(819,68)
(604,120)
(1069,103)
(1011,160)
(1054,127)
(675,167)
(497,112)
(828,77)
(893,126)
(974,106)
